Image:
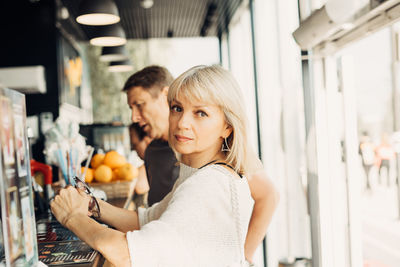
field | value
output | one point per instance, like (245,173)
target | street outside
(381,222)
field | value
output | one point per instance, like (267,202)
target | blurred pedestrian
(367,152)
(385,154)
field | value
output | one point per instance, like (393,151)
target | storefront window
(372,63)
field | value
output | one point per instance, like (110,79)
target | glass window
(371,62)
(241,63)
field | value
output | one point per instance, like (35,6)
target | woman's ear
(227,132)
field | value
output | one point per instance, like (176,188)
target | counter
(98,260)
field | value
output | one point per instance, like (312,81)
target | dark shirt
(161,169)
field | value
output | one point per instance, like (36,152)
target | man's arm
(266,199)
(142,185)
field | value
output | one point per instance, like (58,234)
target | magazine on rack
(17,211)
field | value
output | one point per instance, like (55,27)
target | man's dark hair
(135,127)
(152,78)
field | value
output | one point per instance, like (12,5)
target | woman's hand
(68,203)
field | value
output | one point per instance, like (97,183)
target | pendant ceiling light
(108,35)
(113,53)
(146,3)
(98,12)
(120,66)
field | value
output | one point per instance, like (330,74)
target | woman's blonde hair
(215,85)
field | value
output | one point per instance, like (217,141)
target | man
(147,92)
(147,97)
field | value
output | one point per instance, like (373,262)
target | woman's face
(196,129)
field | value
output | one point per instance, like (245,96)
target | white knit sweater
(203,221)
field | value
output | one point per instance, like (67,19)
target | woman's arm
(70,209)
(266,200)
(110,243)
(121,219)
(127,220)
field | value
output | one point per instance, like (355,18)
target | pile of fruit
(109,167)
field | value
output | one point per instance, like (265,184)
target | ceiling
(167,18)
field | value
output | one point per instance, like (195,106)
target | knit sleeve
(154,212)
(196,225)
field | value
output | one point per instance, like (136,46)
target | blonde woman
(203,221)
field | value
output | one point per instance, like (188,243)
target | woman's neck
(197,161)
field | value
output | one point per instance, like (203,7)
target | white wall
(180,54)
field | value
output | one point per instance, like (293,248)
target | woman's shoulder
(213,184)
(218,171)
(208,176)
(224,171)
(214,175)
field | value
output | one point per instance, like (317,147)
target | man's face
(150,112)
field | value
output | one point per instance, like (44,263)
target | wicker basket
(117,189)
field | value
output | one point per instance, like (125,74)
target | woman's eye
(202,113)
(176,108)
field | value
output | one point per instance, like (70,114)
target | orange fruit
(115,175)
(127,172)
(103,174)
(89,174)
(97,160)
(114,160)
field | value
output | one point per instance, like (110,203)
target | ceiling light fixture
(113,53)
(108,35)
(120,66)
(146,3)
(99,12)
